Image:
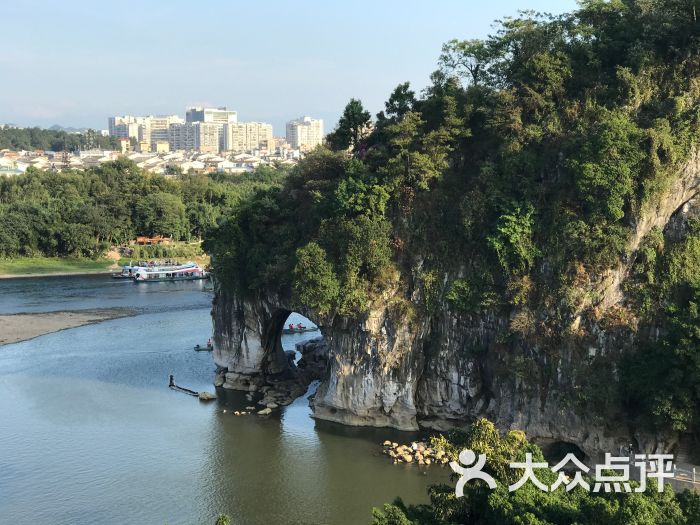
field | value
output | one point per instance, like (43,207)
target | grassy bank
(48,265)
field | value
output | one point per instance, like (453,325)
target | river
(90,434)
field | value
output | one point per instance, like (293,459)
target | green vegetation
(528,160)
(178,250)
(53,140)
(83,213)
(223,519)
(43,265)
(530,505)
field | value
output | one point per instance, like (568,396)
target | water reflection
(92,435)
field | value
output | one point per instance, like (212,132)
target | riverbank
(58,266)
(50,266)
(20,327)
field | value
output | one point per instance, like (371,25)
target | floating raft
(205,348)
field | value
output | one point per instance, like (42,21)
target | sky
(74,63)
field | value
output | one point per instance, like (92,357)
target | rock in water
(206,396)
(265,412)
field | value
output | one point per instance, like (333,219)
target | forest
(82,213)
(53,140)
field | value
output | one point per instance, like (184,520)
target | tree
(162,213)
(315,283)
(468,56)
(353,126)
(401,101)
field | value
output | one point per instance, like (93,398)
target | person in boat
(196,347)
(300,326)
(209,343)
(291,326)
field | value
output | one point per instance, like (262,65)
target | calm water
(90,433)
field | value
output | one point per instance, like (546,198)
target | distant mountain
(56,127)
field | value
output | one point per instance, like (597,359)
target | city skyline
(211,129)
(271,63)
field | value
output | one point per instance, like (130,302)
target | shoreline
(54,274)
(18,327)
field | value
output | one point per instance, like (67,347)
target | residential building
(126,127)
(305,133)
(219,116)
(148,130)
(181,137)
(159,126)
(247,136)
(199,136)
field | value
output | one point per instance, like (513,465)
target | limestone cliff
(441,369)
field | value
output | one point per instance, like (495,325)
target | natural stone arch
(248,349)
(247,346)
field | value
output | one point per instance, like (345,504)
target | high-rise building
(125,127)
(181,137)
(305,133)
(246,136)
(219,116)
(159,127)
(148,130)
(194,136)
(207,136)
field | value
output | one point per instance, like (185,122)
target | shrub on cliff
(315,283)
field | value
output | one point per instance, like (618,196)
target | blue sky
(74,62)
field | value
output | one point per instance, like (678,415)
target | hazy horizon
(270,63)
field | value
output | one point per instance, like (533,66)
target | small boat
(180,272)
(208,348)
(127,272)
(301,330)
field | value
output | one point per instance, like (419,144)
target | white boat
(178,272)
(127,272)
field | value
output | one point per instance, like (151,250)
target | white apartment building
(125,127)
(148,130)
(247,136)
(305,133)
(219,116)
(159,127)
(194,136)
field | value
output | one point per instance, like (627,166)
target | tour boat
(182,272)
(301,330)
(127,272)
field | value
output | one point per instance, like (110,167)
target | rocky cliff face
(444,369)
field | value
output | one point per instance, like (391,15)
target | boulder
(206,396)
(265,412)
